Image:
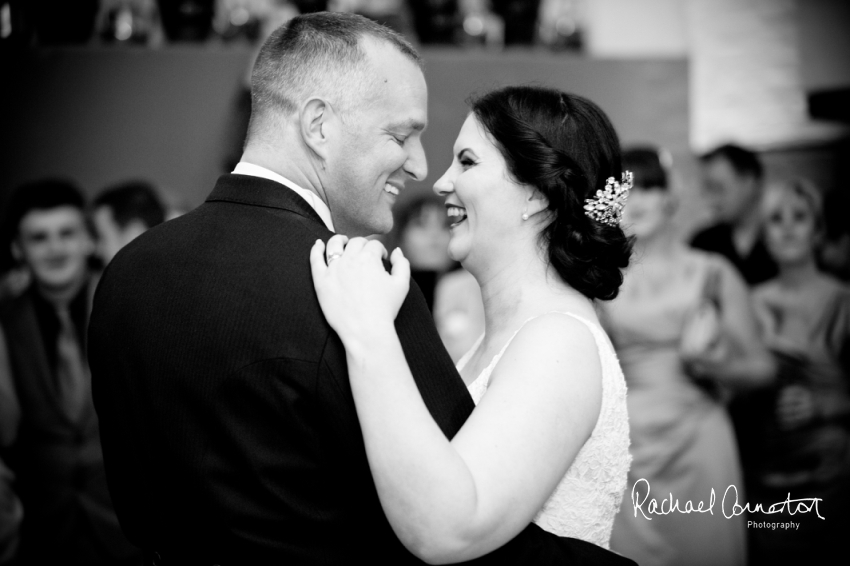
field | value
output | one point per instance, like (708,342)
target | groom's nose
(416,165)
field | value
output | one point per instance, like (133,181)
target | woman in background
(422,233)
(421,230)
(804,315)
(458,312)
(684,334)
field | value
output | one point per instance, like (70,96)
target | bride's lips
(456,213)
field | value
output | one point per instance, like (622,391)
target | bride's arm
(454,501)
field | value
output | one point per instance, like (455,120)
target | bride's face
(483,202)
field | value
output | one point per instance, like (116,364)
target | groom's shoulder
(228,233)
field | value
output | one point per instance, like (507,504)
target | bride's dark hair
(565,146)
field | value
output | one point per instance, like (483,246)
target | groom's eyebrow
(409,124)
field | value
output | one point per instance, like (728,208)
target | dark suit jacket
(756,267)
(68,514)
(228,426)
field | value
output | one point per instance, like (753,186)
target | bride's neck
(520,289)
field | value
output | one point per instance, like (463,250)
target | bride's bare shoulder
(554,342)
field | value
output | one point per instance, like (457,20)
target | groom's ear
(314,121)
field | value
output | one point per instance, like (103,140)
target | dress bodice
(647,319)
(585,501)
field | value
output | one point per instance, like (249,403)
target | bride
(548,441)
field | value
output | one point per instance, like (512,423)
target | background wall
(101,115)
(173,115)
(682,74)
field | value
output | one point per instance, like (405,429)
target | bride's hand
(356,293)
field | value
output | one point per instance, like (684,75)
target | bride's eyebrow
(466,150)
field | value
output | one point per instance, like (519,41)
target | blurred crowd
(556,24)
(735,341)
(54,501)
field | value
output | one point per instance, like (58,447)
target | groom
(228,428)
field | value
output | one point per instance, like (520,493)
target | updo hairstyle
(564,146)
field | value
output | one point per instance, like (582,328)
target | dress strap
(591,326)
(486,372)
(465,358)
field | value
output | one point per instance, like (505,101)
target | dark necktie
(71,370)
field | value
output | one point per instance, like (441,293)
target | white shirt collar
(245,168)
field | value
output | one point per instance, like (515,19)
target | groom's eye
(399,139)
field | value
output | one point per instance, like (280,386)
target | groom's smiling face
(380,146)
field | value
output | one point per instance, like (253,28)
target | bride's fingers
(376,248)
(400,266)
(336,246)
(317,260)
(355,245)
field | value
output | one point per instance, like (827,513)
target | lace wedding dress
(584,503)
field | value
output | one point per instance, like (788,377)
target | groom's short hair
(319,53)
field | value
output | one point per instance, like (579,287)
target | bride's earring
(525,216)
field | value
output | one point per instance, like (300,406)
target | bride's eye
(466,163)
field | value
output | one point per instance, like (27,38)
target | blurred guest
(458,312)
(481,26)
(435,21)
(11,510)
(59,22)
(560,25)
(10,409)
(520,17)
(733,184)
(122,213)
(452,293)
(11,514)
(804,440)
(187,20)
(129,22)
(683,332)
(422,233)
(13,283)
(835,248)
(56,455)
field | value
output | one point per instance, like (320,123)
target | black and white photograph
(399,282)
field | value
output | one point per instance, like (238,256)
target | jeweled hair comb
(607,205)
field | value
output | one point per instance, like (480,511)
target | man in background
(733,183)
(56,454)
(122,213)
(11,510)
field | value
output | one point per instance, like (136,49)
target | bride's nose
(444,185)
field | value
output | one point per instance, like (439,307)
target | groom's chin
(382,225)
